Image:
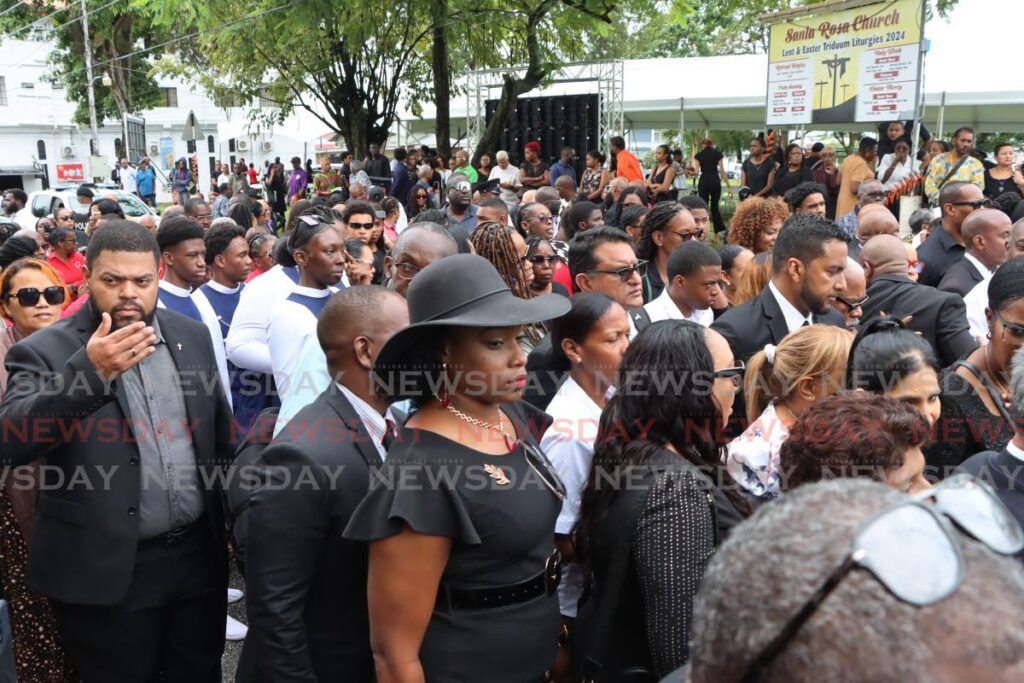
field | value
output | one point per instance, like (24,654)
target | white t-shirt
(507,175)
(128,183)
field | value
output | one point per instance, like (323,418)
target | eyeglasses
(874,195)
(406,270)
(359,260)
(421,196)
(625,273)
(852,304)
(63,217)
(29,296)
(687,236)
(1013,333)
(976,204)
(538,260)
(916,266)
(361,226)
(542,219)
(733,374)
(911,550)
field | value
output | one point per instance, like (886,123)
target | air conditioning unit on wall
(242,145)
(69,151)
(267,146)
(154,149)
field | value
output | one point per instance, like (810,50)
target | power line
(13,7)
(43,20)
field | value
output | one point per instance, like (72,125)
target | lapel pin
(179,346)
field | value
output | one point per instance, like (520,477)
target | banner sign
(847,64)
(73,172)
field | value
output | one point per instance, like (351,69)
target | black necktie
(389,434)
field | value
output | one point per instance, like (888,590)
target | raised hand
(112,353)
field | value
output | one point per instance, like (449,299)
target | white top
(569,445)
(1014,450)
(752,458)
(507,175)
(128,183)
(291,324)
(223,179)
(902,172)
(794,318)
(311,378)
(663,308)
(209,318)
(247,340)
(976,302)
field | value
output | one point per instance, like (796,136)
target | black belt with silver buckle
(545,583)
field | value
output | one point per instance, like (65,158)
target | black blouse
(995,187)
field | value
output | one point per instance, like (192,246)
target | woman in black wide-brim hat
(461,518)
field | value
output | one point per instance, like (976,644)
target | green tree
(116,31)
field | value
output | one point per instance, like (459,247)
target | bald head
(870,191)
(987,234)
(353,326)
(430,236)
(884,254)
(174,210)
(873,220)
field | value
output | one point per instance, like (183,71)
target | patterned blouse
(591,181)
(753,458)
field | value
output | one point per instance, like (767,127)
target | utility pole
(94,142)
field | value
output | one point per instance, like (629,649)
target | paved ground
(233,649)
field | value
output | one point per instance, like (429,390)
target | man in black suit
(945,244)
(940,317)
(600,260)
(1004,469)
(306,603)
(808,262)
(124,403)
(987,235)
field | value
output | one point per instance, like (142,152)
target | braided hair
(658,219)
(494,242)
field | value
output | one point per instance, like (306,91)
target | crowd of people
(475,421)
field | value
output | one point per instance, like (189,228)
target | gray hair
(410,233)
(424,171)
(1017,385)
(775,561)
(918,218)
(223,220)
(501,155)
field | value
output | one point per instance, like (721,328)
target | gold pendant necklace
(510,442)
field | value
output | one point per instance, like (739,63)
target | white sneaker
(235,630)
(234,595)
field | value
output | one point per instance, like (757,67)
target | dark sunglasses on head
(29,296)
(640,268)
(911,549)
(361,226)
(539,259)
(852,304)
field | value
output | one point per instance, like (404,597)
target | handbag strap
(952,171)
(992,393)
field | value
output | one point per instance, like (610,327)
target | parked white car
(45,202)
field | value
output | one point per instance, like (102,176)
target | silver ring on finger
(133,351)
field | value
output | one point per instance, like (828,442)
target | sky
(989,30)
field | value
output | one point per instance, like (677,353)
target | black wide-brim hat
(464,290)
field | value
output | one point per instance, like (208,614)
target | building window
(3,91)
(209,144)
(41,150)
(230,101)
(231,148)
(265,101)
(170,96)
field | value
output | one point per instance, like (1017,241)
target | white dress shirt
(376,425)
(569,445)
(794,318)
(663,308)
(1014,450)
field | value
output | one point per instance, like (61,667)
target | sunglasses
(687,236)
(539,259)
(543,469)
(976,204)
(624,274)
(910,549)
(29,296)
(1013,333)
(421,196)
(852,304)
(916,266)
(733,374)
(361,226)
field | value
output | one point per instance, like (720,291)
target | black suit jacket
(940,317)
(1003,471)
(306,601)
(960,278)
(754,324)
(59,409)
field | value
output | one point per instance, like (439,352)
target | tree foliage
(116,32)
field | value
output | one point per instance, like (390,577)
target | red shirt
(627,166)
(252,175)
(255,273)
(70,271)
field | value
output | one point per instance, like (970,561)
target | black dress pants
(709,188)
(169,627)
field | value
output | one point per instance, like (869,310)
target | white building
(39,143)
